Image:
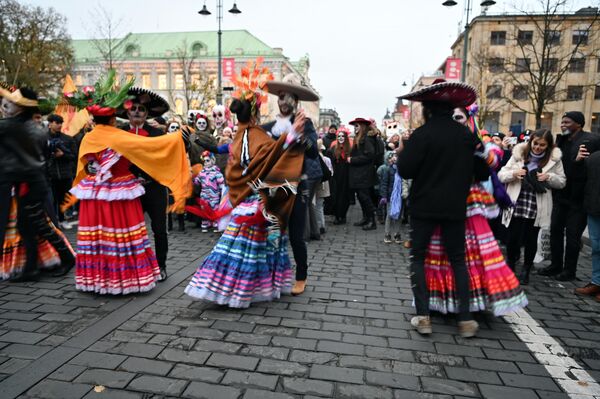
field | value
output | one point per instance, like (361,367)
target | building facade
(328,117)
(503,50)
(182,67)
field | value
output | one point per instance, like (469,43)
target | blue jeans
(594,230)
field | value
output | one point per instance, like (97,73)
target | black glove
(185,135)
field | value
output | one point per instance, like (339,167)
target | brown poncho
(272,170)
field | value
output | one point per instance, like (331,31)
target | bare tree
(197,86)
(542,63)
(107,35)
(35,48)
(485,65)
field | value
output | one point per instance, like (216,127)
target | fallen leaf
(99,388)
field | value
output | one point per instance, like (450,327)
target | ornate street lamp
(234,10)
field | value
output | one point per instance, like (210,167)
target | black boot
(549,271)
(363,222)
(181,222)
(66,264)
(524,276)
(371,224)
(169,222)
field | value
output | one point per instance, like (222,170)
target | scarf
(282,125)
(534,160)
(260,164)
(396,197)
(163,158)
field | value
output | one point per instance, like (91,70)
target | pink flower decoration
(127,104)
(69,95)
(88,90)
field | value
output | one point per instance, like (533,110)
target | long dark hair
(363,130)
(547,136)
(341,152)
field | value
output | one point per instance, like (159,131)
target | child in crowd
(211,182)
(390,191)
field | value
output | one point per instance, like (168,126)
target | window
(179,106)
(574,93)
(525,37)
(196,82)
(179,81)
(551,64)
(129,76)
(78,80)
(550,92)
(494,91)
(162,81)
(198,48)
(553,37)
(577,65)
(492,122)
(580,37)
(595,122)
(131,50)
(546,120)
(146,81)
(522,65)
(520,92)
(517,122)
(195,104)
(498,38)
(597,93)
(496,65)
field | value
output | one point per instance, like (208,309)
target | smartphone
(512,140)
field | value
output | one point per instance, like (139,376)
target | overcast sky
(361,51)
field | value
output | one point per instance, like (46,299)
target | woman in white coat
(533,171)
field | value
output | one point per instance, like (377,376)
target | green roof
(165,44)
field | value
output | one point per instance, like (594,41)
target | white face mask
(10,109)
(173,127)
(341,138)
(201,124)
(219,119)
(208,162)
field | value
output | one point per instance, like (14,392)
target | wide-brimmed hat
(17,97)
(303,92)
(155,104)
(457,94)
(356,121)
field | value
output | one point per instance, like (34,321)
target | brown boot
(299,287)
(468,329)
(589,290)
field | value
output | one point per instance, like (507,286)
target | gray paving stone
(529,381)
(434,358)
(293,343)
(445,386)
(341,348)
(265,352)
(217,346)
(137,349)
(20,315)
(417,369)
(24,351)
(233,326)
(459,350)
(197,373)
(159,385)
(160,328)
(202,332)
(233,361)
(493,365)
(22,337)
(50,389)
(472,375)
(307,387)
(201,390)
(100,360)
(146,366)
(411,344)
(13,365)
(282,368)
(252,339)
(179,355)
(23,325)
(312,357)
(114,394)
(333,373)
(67,372)
(502,392)
(402,394)
(275,330)
(387,353)
(392,380)
(109,378)
(130,336)
(247,379)
(259,394)
(348,391)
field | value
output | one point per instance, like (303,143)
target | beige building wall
(480,46)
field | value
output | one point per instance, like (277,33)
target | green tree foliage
(35,48)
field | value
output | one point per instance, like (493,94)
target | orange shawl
(272,170)
(163,158)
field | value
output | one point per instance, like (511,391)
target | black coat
(61,168)
(21,150)
(575,171)
(591,198)
(328,139)
(439,157)
(362,163)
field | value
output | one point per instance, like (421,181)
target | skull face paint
(201,124)
(173,127)
(287,103)
(8,109)
(218,115)
(137,114)
(208,162)
(341,137)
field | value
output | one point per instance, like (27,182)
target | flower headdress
(251,84)
(104,97)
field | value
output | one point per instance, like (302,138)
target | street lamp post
(234,10)
(451,3)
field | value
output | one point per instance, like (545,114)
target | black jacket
(21,150)
(575,171)
(328,139)
(311,168)
(61,168)
(439,157)
(362,163)
(591,198)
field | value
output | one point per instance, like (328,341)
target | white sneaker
(66,225)
(422,324)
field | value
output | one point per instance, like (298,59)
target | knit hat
(576,117)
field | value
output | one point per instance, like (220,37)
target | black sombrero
(155,104)
(457,94)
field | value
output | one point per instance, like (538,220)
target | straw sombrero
(303,92)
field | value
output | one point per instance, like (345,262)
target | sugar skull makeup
(173,127)
(208,162)
(218,115)
(201,124)
(341,137)
(287,103)
(10,109)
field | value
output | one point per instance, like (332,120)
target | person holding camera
(568,214)
(62,153)
(534,169)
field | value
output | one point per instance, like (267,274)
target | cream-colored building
(494,49)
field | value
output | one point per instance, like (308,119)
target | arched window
(131,50)
(198,48)
(179,106)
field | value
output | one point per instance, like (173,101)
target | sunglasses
(458,117)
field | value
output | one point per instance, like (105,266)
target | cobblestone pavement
(348,336)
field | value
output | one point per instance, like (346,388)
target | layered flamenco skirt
(13,254)
(114,255)
(493,285)
(246,265)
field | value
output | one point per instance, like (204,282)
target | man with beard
(330,137)
(155,201)
(22,166)
(289,95)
